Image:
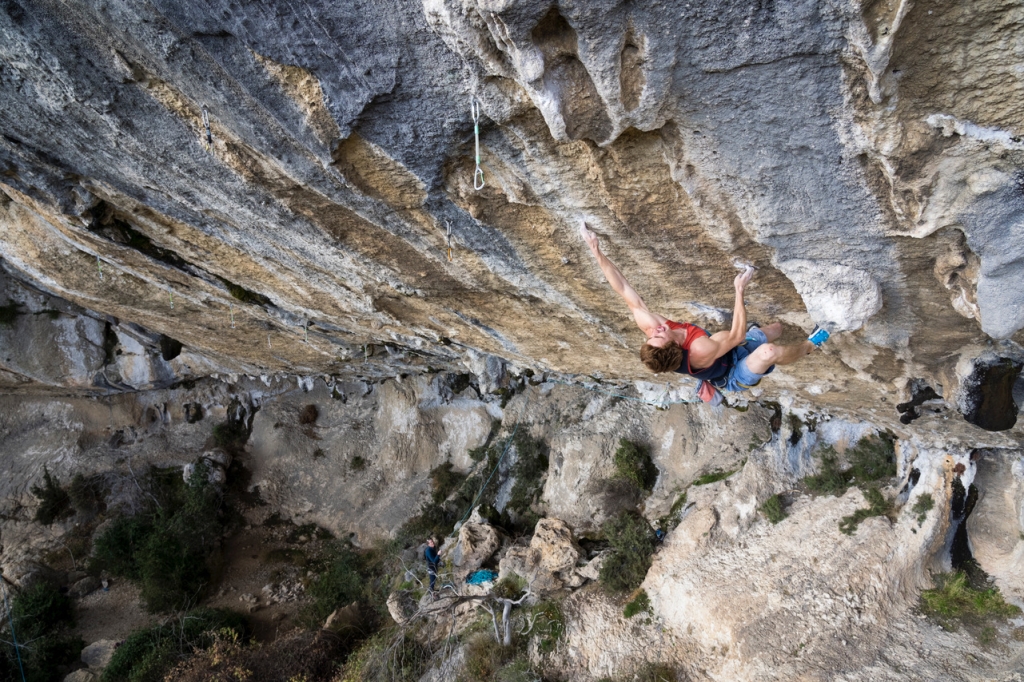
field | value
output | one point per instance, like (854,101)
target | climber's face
(661,338)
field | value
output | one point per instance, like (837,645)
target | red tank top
(718,369)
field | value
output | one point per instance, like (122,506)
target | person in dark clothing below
(734,360)
(433,560)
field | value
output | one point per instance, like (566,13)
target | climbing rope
(231,311)
(206,124)
(503,452)
(171,292)
(478,174)
(10,621)
(449,223)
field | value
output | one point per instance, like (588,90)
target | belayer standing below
(433,558)
(731,360)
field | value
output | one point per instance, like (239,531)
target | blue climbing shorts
(739,377)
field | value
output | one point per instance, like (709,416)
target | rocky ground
(732,596)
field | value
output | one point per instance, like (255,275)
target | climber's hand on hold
(589,237)
(743,279)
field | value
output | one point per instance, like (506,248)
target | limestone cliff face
(866,157)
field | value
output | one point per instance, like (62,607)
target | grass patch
(631,540)
(641,604)
(656,672)
(54,501)
(956,601)
(633,464)
(877,506)
(485,658)
(773,509)
(43,618)
(671,520)
(548,625)
(388,656)
(922,506)
(714,477)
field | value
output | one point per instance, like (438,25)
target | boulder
(345,619)
(476,544)
(98,654)
(82,676)
(401,606)
(83,587)
(549,563)
(217,457)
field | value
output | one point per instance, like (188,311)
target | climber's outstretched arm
(645,319)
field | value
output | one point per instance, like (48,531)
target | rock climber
(732,360)
(433,558)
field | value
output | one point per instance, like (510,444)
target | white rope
(478,174)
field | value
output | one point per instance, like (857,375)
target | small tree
(54,500)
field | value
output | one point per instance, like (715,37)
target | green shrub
(773,509)
(957,602)
(640,604)
(118,548)
(230,435)
(633,464)
(922,506)
(509,587)
(831,480)
(148,654)
(85,494)
(339,584)
(445,481)
(877,506)
(165,548)
(873,459)
(530,467)
(714,477)
(631,540)
(42,618)
(54,502)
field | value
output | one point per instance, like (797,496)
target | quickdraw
(449,223)
(231,311)
(478,174)
(206,124)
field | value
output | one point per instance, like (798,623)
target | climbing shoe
(818,336)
